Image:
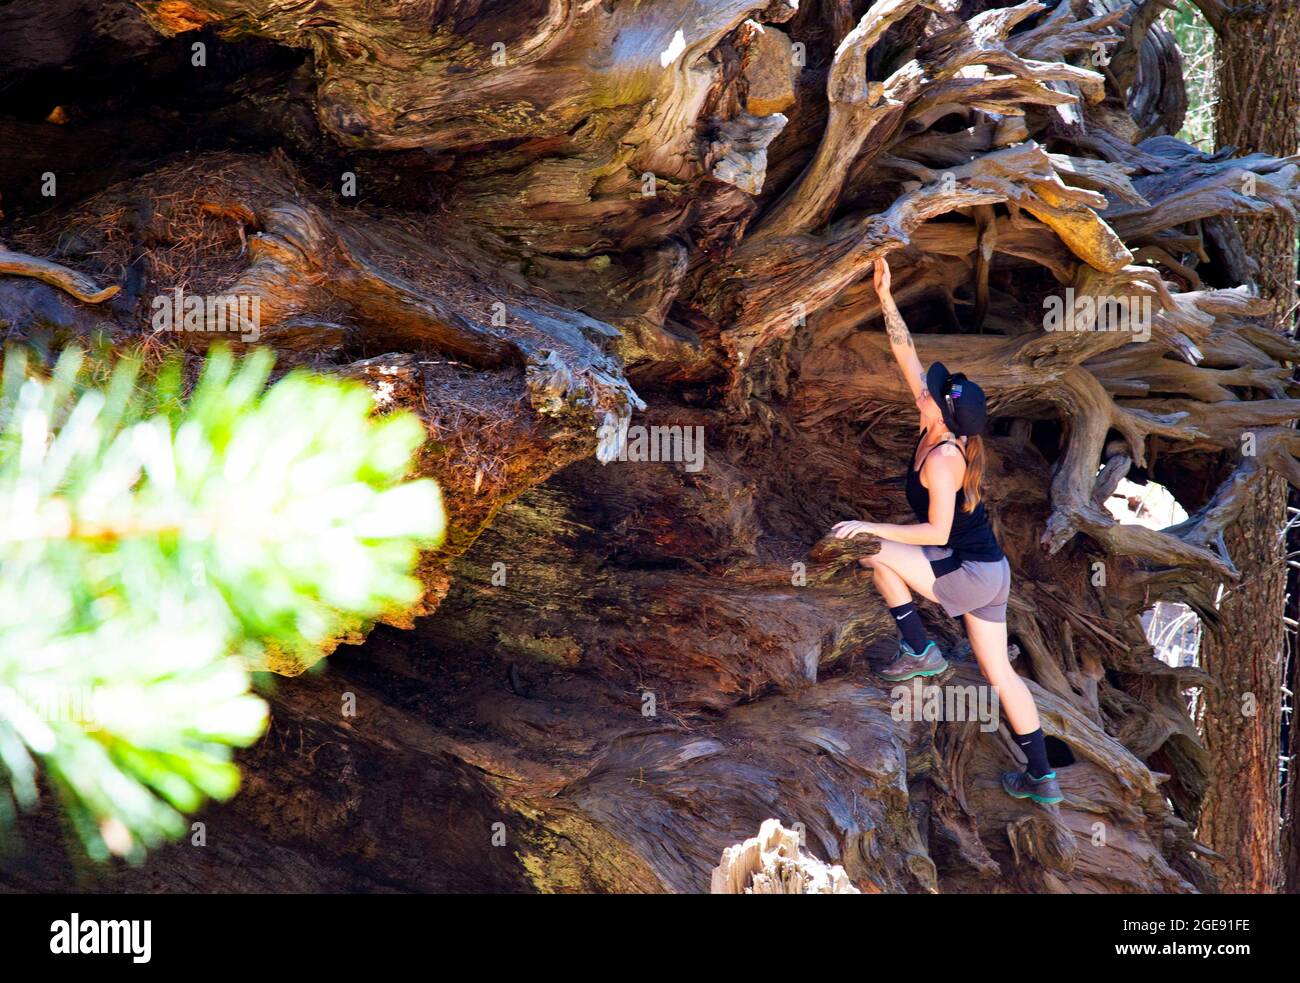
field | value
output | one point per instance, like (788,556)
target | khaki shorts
(976,587)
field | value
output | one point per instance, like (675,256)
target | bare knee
(1002,681)
(1005,680)
(882,574)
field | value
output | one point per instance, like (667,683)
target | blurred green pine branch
(152,546)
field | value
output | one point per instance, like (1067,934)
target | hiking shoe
(908,664)
(1019,785)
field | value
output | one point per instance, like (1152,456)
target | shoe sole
(919,672)
(1045,800)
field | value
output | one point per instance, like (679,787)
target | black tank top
(971,536)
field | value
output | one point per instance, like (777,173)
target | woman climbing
(950,554)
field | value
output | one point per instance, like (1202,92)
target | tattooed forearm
(898,333)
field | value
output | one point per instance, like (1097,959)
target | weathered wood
(774,863)
(1246,653)
(70,281)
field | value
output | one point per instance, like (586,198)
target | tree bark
(1258,59)
(1291,730)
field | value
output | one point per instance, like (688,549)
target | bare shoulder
(946,459)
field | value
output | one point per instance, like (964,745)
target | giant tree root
(69,281)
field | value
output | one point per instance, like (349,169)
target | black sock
(1036,751)
(910,627)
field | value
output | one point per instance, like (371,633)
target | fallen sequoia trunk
(656,215)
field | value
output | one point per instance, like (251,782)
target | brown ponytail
(970,485)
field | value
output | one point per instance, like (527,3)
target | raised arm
(900,339)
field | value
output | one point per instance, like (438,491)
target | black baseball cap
(961,401)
